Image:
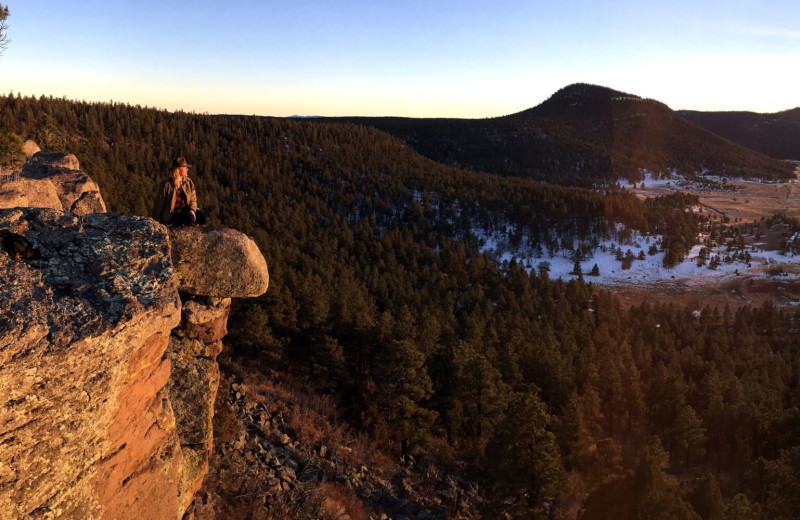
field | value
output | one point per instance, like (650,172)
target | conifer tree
(657,495)
(524,459)
(402,385)
(576,267)
(481,391)
(689,434)
(11,155)
(707,500)
(740,508)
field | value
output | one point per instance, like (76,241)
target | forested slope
(582,135)
(562,399)
(776,135)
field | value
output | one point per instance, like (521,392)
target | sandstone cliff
(108,340)
(84,419)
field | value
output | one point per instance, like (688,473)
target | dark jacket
(165,199)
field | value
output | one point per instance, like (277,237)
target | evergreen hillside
(776,135)
(551,394)
(581,135)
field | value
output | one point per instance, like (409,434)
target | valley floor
(748,201)
(768,275)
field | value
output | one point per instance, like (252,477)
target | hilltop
(581,135)
(776,135)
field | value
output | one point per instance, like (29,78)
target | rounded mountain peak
(586,101)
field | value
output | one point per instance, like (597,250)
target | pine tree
(689,435)
(524,460)
(707,500)
(576,267)
(657,495)
(740,508)
(481,391)
(11,155)
(402,386)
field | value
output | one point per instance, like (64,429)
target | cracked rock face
(193,350)
(106,403)
(86,426)
(192,390)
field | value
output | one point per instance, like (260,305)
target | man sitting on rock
(176,200)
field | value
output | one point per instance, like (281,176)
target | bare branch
(3,28)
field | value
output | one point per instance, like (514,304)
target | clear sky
(429,58)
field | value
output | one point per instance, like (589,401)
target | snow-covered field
(642,272)
(648,271)
(676,182)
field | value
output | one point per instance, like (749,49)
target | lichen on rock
(218,262)
(83,329)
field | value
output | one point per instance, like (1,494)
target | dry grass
(339,503)
(313,420)
(749,202)
(274,404)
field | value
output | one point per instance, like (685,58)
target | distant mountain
(580,135)
(776,135)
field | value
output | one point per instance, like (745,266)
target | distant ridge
(581,135)
(776,135)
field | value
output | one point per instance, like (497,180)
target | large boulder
(218,262)
(30,148)
(86,426)
(76,191)
(29,193)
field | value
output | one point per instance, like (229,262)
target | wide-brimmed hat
(180,161)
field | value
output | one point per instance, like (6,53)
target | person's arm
(191,197)
(163,203)
(158,203)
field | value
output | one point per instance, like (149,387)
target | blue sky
(409,58)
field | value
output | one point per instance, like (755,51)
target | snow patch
(642,273)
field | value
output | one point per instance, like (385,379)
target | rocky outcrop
(192,390)
(86,428)
(53,180)
(211,265)
(282,451)
(108,370)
